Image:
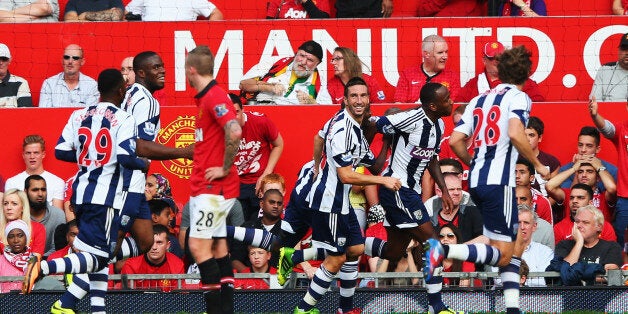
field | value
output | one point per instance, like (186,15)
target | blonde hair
(597,214)
(26,212)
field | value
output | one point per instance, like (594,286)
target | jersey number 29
(102,145)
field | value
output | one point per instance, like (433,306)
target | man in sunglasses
(488,79)
(70,88)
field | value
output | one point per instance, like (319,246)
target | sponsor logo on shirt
(221,110)
(178,133)
(422,153)
(415,82)
(295,14)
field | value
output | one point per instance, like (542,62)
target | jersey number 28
(491,128)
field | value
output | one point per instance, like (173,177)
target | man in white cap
(14,90)
(488,79)
(23,11)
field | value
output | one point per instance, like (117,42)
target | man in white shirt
(168,10)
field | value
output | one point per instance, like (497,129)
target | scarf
(19,260)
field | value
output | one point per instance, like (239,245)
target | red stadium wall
(566,51)
(297,125)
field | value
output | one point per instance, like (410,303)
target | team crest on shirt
(178,133)
(342,241)
(221,110)
(381,95)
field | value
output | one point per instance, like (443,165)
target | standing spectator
(611,80)
(544,233)
(259,260)
(168,10)
(158,260)
(524,174)
(297,9)
(16,207)
(435,52)
(488,79)
(214,180)
(523,8)
(348,65)
(94,10)
(363,8)
(41,211)
(259,151)
(14,90)
(16,254)
(70,88)
(33,153)
(534,131)
(291,80)
(23,11)
(585,255)
(618,133)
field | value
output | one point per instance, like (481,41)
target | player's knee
(504,260)
(354,252)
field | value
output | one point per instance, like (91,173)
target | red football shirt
(337,90)
(140,265)
(257,134)
(412,80)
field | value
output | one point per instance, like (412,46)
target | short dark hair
(36,177)
(451,162)
(157,206)
(514,65)
(527,163)
(590,131)
(235,99)
(271,192)
(536,124)
(140,59)
(159,229)
(585,187)
(109,81)
(428,92)
(352,82)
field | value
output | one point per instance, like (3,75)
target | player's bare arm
(233,134)
(348,176)
(457,142)
(380,160)
(319,145)
(156,151)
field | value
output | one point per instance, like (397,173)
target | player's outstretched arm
(348,176)
(457,142)
(156,151)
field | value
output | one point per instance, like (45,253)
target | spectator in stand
(363,8)
(156,261)
(465,215)
(347,65)
(587,172)
(544,233)
(129,76)
(15,207)
(588,146)
(259,151)
(620,7)
(14,90)
(158,187)
(534,131)
(94,10)
(70,88)
(523,8)
(24,11)
(297,9)
(259,260)
(33,153)
(580,195)
(168,10)
(41,211)
(446,8)
(584,255)
(535,254)
(488,79)
(435,54)
(70,231)
(450,234)
(17,236)
(291,80)
(618,133)
(524,175)
(611,80)
(161,214)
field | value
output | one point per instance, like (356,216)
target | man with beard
(291,80)
(41,211)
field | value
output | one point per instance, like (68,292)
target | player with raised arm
(496,121)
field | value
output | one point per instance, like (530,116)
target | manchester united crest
(178,133)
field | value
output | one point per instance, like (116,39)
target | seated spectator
(70,88)
(610,81)
(158,187)
(489,79)
(348,65)
(41,211)
(33,154)
(161,214)
(544,233)
(15,256)
(524,272)
(94,10)
(259,259)
(580,195)
(168,10)
(291,80)
(465,215)
(65,235)
(448,162)
(410,263)
(363,8)
(524,174)
(620,7)
(450,234)
(156,261)
(585,255)
(16,208)
(297,9)
(534,130)
(24,11)
(445,8)
(14,90)
(536,255)
(523,8)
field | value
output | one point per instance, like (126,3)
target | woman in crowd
(16,207)
(450,234)
(347,65)
(15,253)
